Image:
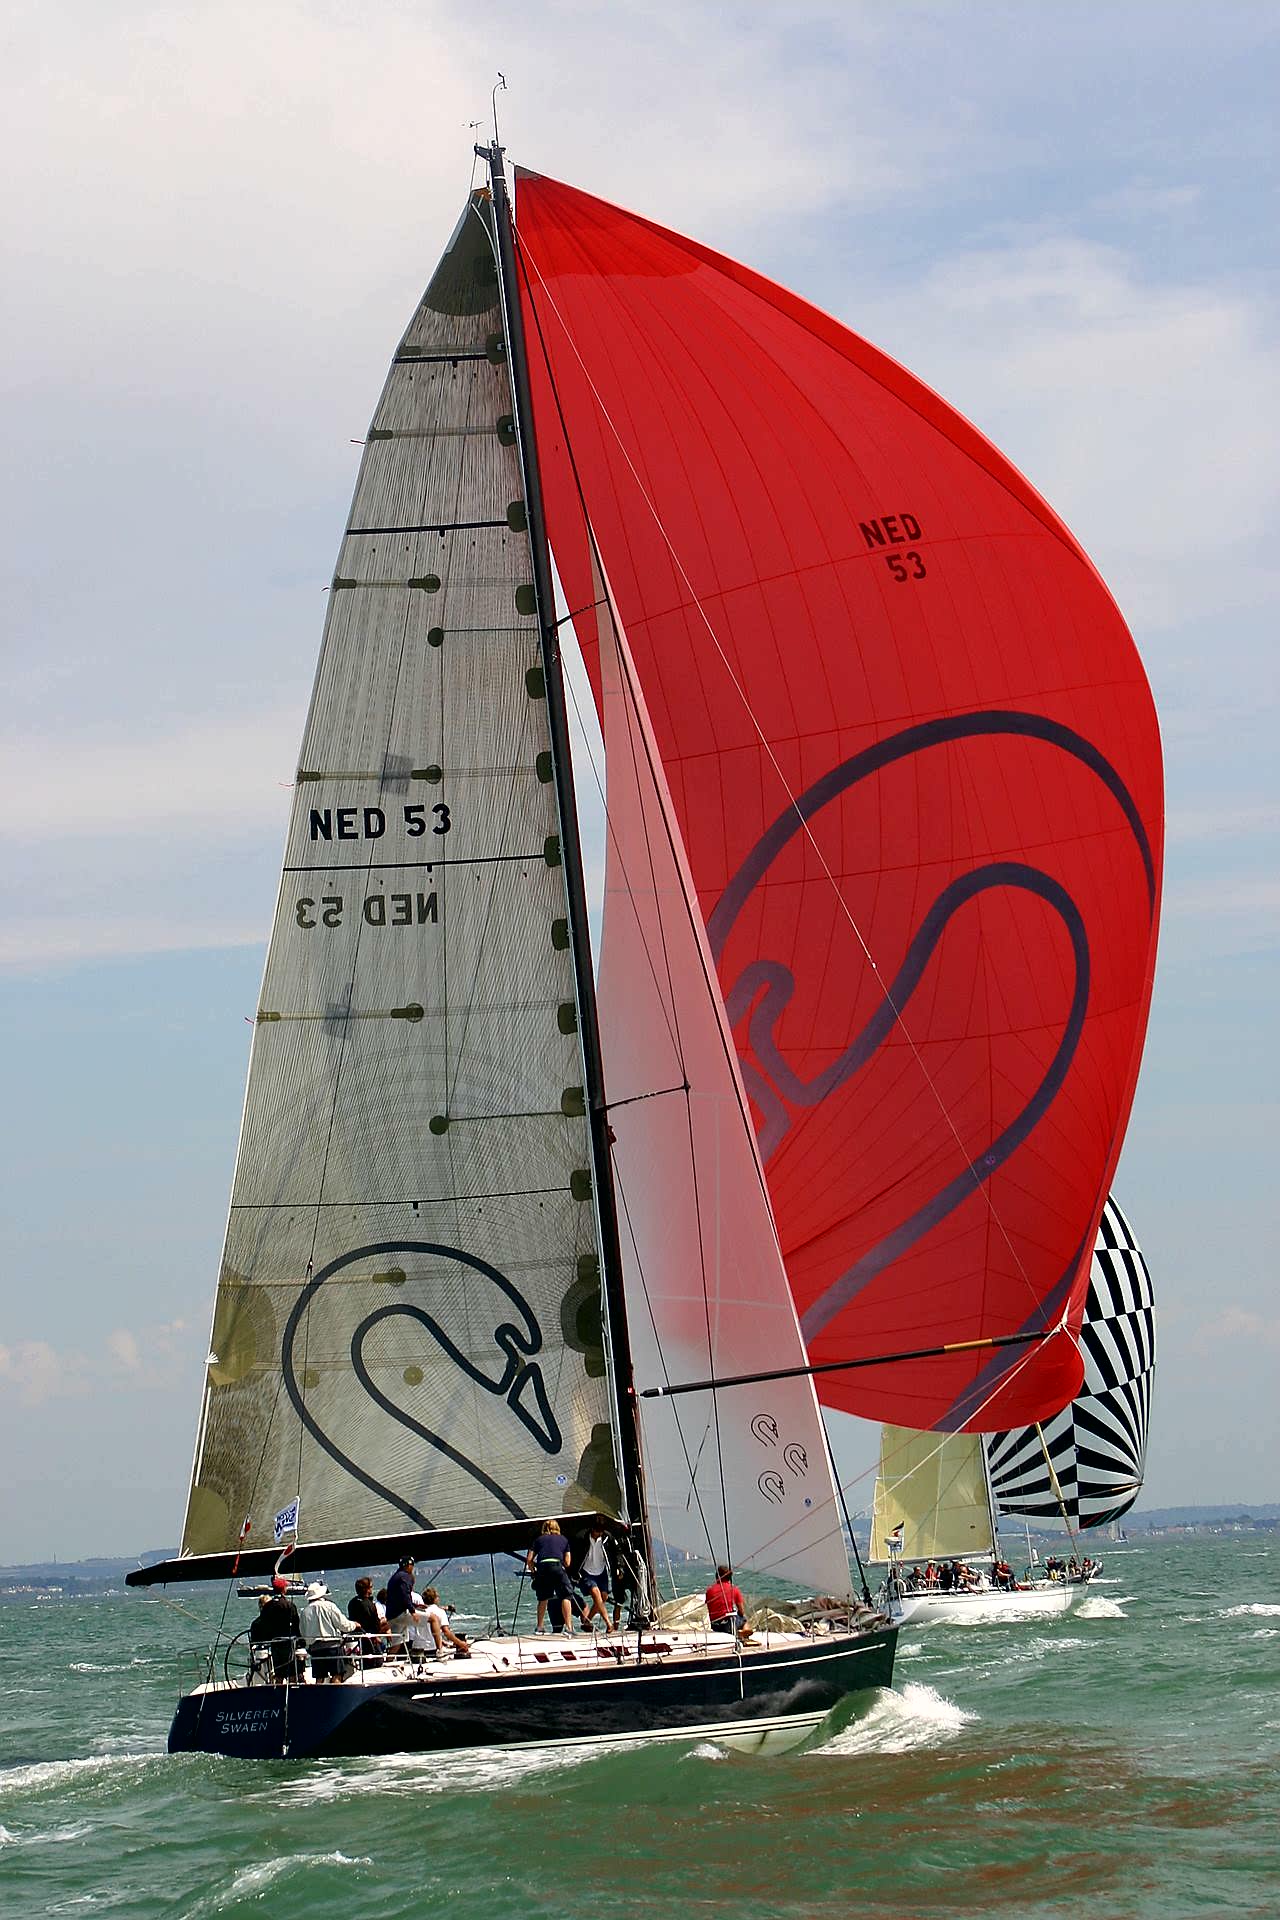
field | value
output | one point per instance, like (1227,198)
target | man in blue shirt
(401,1612)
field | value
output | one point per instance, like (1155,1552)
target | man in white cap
(324,1627)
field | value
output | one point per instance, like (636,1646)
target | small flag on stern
(287,1520)
(894,1540)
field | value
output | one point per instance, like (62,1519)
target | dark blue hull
(771,1692)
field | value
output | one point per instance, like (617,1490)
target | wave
(1033,1648)
(1099,1607)
(1250,1606)
(66,1773)
(251,1882)
(901,1721)
(112,1666)
(47,1837)
(911,1651)
(482,1770)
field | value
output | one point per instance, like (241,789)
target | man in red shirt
(726,1608)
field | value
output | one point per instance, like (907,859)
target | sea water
(1120,1763)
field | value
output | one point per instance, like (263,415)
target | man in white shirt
(436,1621)
(592,1578)
(324,1627)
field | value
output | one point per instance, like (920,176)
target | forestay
(407,1331)
(742,1475)
(1098,1444)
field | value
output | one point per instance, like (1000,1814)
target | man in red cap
(279,1629)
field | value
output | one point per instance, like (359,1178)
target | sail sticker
(520,1382)
(376,910)
(370,823)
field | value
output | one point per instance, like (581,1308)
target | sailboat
(942,1497)
(933,1508)
(835,1127)
(452,1257)
(1086,1464)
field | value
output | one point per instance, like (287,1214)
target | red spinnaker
(915,761)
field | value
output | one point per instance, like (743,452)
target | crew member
(726,1608)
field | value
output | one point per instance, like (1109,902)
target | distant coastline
(81,1579)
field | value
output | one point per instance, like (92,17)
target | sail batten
(916,769)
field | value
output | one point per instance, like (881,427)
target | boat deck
(509,1654)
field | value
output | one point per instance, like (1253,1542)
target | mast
(571,853)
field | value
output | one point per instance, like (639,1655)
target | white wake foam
(481,1771)
(900,1721)
(252,1881)
(1252,1606)
(1099,1607)
(50,1836)
(68,1773)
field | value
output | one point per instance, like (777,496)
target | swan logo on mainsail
(517,1337)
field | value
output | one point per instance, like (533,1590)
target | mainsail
(745,1475)
(933,1488)
(1098,1444)
(915,764)
(408,1324)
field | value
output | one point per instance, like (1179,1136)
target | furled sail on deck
(915,764)
(1098,1445)
(408,1331)
(742,1475)
(934,1487)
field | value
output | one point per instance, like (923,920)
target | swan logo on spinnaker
(517,1338)
(764,988)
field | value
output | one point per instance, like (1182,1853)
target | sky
(1060,216)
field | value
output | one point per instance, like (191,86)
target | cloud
(1147,200)
(221,776)
(32,1371)
(123,1348)
(1238,913)
(152,1358)
(1186,824)
(1241,1323)
(1140,406)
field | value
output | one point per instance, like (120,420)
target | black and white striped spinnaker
(1098,1444)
